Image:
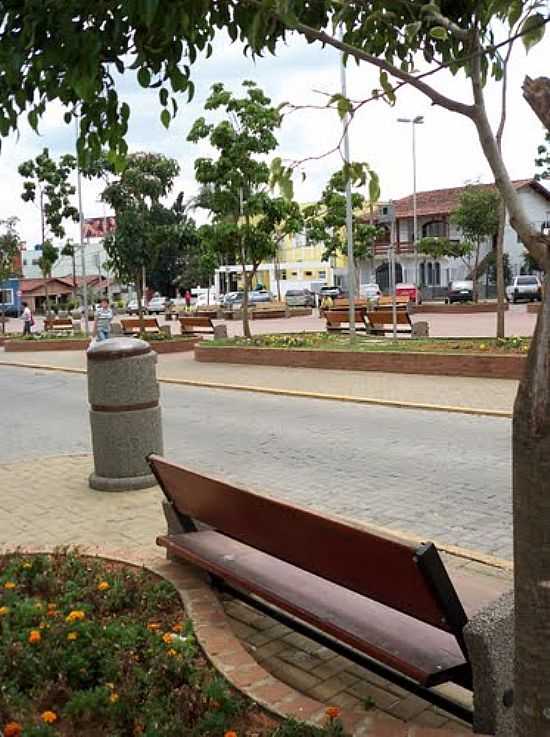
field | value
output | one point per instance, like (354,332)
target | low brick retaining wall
(30,346)
(455,309)
(80,344)
(534,308)
(441,364)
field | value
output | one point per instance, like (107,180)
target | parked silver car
(524,287)
(300,298)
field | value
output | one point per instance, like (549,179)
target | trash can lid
(115,348)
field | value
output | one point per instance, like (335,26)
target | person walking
(187,298)
(103,319)
(28,319)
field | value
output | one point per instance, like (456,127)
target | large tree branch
(454,29)
(537,94)
(534,241)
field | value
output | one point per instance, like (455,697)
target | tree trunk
(475,276)
(531,503)
(499,258)
(246,322)
(74,274)
(139,292)
(47,296)
(278,277)
(3,318)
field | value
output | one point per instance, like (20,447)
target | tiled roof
(444,201)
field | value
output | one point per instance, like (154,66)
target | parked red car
(409,290)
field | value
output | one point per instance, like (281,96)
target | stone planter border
(455,309)
(533,308)
(485,366)
(80,344)
(227,654)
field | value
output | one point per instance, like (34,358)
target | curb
(398,404)
(226,653)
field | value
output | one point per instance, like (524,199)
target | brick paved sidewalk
(46,501)
(484,394)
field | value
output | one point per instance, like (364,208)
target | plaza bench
(58,324)
(338,320)
(132,325)
(197,326)
(384,603)
(380,322)
(265,312)
(401,302)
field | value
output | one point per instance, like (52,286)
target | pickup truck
(524,287)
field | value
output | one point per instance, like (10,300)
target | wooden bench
(261,312)
(338,320)
(196,326)
(380,322)
(58,324)
(401,302)
(132,325)
(383,603)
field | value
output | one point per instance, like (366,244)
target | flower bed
(474,357)
(93,648)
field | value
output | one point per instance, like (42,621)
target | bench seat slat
(417,650)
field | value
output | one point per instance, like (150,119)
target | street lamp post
(414,122)
(349,210)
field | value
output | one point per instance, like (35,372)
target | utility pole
(82,253)
(418,120)
(349,209)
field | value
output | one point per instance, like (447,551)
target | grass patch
(99,649)
(362,343)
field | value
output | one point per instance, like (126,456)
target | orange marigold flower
(172,653)
(333,712)
(4,610)
(103,586)
(76,615)
(153,626)
(48,716)
(72,636)
(168,637)
(177,627)
(12,729)
(9,585)
(34,636)
(114,697)
(230,734)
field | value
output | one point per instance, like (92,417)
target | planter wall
(30,346)
(455,309)
(446,364)
(174,346)
(533,308)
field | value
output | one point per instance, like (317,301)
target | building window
(422,273)
(282,274)
(6,296)
(545,227)
(300,239)
(436,228)
(437,274)
(322,275)
(294,273)
(308,273)
(429,274)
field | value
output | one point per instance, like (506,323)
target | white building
(433,213)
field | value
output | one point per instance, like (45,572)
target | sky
(448,151)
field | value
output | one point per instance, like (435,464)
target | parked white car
(202,300)
(524,287)
(372,292)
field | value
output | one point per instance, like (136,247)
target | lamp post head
(418,119)
(404,120)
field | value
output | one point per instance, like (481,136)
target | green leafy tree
(247,219)
(141,218)
(10,245)
(543,159)
(477,216)
(326,220)
(46,183)
(492,268)
(46,262)
(69,250)
(435,247)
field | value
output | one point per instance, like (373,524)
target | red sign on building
(98,227)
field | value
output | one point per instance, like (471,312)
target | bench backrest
(381,568)
(337,317)
(385,317)
(58,322)
(401,300)
(344,303)
(195,322)
(134,324)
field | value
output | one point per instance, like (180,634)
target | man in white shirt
(27,319)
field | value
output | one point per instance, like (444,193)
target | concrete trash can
(125,414)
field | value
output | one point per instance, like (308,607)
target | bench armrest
(489,637)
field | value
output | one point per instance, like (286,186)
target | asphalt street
(441,476)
